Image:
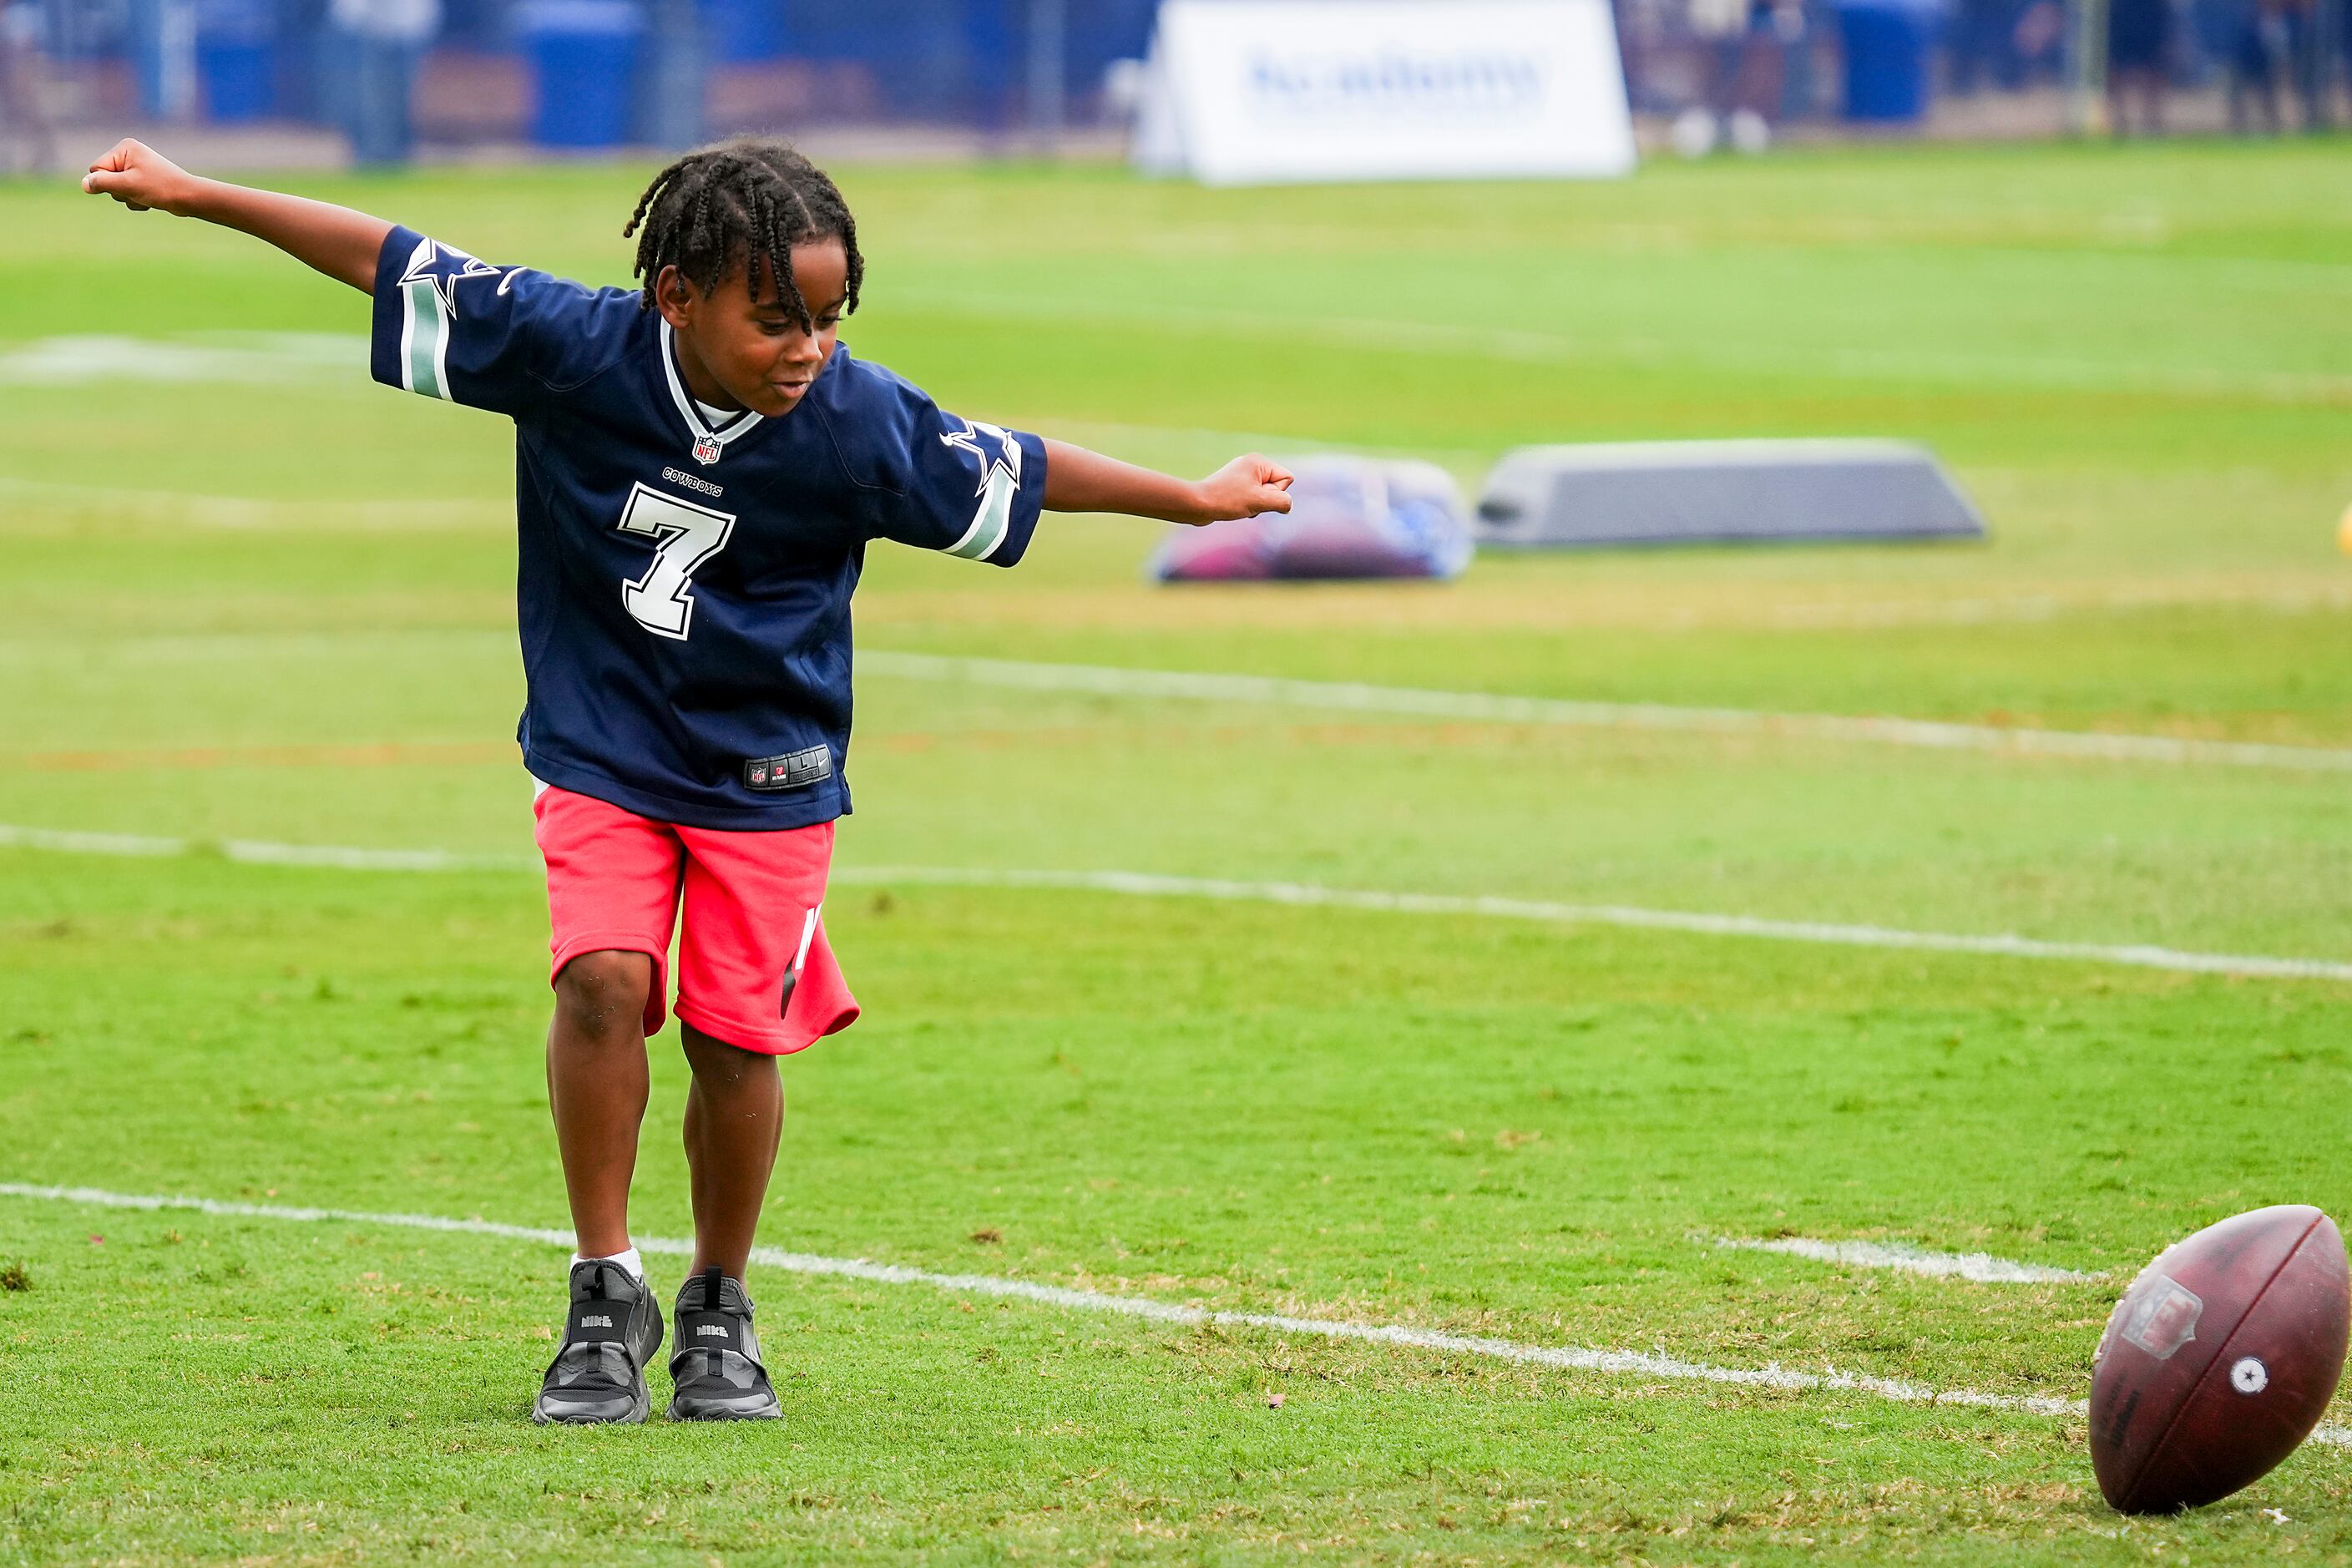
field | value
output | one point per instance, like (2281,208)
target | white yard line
(260,852)
(1980,1267)
(1907,365)
(1264,690)
(1570,1358)
(179,508)
(279,358)
(264,359)
(1141,884)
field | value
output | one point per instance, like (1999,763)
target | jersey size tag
(793,770)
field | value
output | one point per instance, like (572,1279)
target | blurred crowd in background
(389,77)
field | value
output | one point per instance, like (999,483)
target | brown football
(2220,1359)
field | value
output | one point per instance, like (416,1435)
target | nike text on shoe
(599,1372)
(715,1361)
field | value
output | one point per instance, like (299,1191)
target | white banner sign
(1265,91)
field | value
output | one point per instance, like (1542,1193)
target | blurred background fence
(385,78)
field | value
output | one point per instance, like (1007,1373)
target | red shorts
(754,969)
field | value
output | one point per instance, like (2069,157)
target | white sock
(628,1260)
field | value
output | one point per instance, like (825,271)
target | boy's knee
(717,1063)
(603,994)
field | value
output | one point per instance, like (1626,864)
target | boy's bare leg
(597,1085)
(734,1116)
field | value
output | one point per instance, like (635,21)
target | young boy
(700,467)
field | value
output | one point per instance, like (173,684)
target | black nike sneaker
(599,1372)
(715,1361)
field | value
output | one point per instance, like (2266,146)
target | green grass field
(251,596)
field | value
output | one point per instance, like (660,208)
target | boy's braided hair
(742,202)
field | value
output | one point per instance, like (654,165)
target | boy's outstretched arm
(1080,480)
(339,242)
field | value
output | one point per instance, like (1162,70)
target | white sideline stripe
(267,359)
(248,511)
(1980,1267)
(274,358)
(260,852)
(1572,1358)
(1140,884)
(1487,707)
(1149,886)
(1764,358)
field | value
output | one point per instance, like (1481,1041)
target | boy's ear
(674,297)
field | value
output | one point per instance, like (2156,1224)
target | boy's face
(749,353)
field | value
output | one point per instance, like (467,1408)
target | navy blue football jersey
(683,583)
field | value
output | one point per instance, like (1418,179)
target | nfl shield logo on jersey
(706,449)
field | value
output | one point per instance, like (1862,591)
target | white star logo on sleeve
(444,284)
(969,439)
(1000,481)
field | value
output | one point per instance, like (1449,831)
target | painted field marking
(1263,690)
(1982,1268)
(1143,885)
(181,508)
(260,852)
(266,359)
(1570,1358)
(276,358)
(1140,884)
(383,754)
(1519,346)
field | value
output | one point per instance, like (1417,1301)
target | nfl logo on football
(706,450)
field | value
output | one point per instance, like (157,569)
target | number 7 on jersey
(688,536)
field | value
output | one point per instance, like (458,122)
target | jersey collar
(699,430)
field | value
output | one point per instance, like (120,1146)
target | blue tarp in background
(962,62)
